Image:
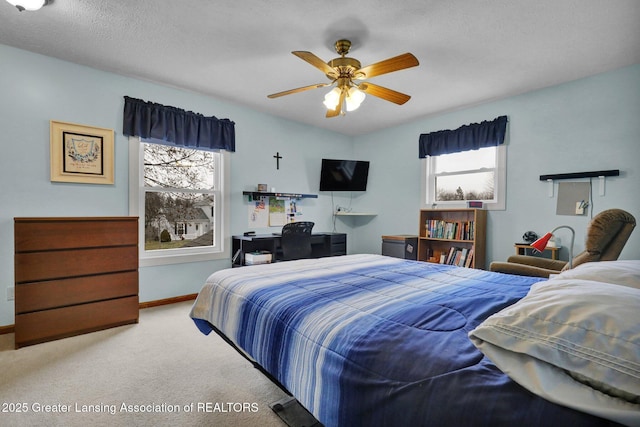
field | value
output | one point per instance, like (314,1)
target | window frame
(428,184)
(222,228)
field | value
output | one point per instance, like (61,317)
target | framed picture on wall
(81,153)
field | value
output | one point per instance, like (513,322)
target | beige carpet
(160,372)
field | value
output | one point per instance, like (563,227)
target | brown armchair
(607,233)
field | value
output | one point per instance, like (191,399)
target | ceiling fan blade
(384,93)
(397,63)
(316,62)
(300,89)
(338,110)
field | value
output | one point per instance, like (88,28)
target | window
(180,195)
(453,179)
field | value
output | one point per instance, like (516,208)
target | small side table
(521,249)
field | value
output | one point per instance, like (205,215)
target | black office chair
(296,240)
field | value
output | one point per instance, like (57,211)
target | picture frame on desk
(81,154)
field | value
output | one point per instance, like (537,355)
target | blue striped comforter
(368,340)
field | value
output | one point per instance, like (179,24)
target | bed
(370,340)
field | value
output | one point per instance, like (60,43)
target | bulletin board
(572,195)
(273,212)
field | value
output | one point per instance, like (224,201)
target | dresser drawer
(36,296)
(36,234)
(34,266)
(40,326)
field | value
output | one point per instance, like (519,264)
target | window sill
(494,206)
(155,260)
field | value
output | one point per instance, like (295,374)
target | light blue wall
(35,89)
(591,124)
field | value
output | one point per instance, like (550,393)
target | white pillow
(574,342)
(620,272)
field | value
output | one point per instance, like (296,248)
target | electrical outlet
(11,293)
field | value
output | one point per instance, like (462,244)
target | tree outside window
(179,197)
(468,175)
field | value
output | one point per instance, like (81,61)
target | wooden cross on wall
(277,157)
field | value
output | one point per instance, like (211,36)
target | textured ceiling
(470,51)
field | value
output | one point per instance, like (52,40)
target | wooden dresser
(74,275)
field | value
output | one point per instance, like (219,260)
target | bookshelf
(453,236)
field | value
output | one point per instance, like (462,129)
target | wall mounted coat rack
(576,175)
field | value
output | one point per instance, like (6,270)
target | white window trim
(428,182)
(197,254)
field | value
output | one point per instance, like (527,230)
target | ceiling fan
(346,73)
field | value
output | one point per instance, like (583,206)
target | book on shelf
(469,260)
(461,257)
(452,230)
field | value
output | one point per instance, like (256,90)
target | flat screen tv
(344,175)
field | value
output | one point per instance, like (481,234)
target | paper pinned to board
(272,212)
(258,213)
(277,214)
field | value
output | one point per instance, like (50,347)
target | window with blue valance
(468,137)
(174,126)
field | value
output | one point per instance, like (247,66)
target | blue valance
(173,126)
(468,137)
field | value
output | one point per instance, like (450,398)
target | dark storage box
(400,246)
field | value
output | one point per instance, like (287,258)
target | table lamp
(541,243)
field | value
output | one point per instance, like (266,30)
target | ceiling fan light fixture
(332,98)
(354,98)
(27,4)
(347,95)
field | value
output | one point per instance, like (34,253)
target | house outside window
(451,180)
(181,197)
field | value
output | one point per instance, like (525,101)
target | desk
(521,249)
(322,245)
